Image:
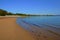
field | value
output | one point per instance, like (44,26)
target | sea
(51,23)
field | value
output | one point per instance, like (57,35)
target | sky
(31,6)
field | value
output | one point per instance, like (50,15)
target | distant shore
(9,30)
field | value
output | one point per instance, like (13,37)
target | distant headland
(4,13)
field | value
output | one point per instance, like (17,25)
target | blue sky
(31,6)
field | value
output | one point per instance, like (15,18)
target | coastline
(9,30)
(38,32)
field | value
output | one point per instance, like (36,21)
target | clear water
(41,20)
(46,22)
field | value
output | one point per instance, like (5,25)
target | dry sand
(9,30)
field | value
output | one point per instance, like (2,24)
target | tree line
(4,13)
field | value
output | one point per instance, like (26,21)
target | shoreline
(9,30)
(39,33)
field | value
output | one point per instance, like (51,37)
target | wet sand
(9,30)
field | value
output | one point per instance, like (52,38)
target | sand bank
(9,30)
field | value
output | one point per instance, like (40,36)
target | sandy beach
(9,30)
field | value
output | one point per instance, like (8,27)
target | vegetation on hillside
(4,13)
